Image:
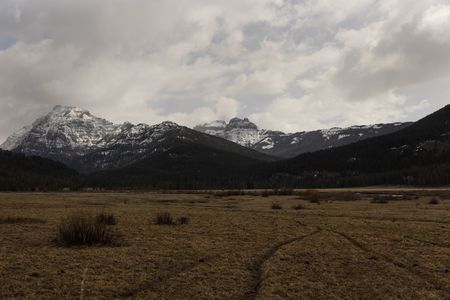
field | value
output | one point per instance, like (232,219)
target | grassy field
(233,247)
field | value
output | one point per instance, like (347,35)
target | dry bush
(312,196)
(164,218)
(276,206)
(106,218)
(298,207)
(435,200)
(81,230)
(20,220)
(183,220)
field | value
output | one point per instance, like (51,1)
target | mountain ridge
(418,154)
(88,144)
(288,145)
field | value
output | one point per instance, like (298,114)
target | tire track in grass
(409,269)
(385,219)
(257,269)
(152,285)
(428,242)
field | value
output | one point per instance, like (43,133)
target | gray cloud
(407,56)
(289,65)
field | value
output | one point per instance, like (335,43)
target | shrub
(298,207)
(276,206)
(107,219)
(164,219)
(312,196)
(79,230)
(435,200)
(183,220)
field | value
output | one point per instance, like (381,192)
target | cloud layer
(287,64)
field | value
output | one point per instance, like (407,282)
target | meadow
(334,244)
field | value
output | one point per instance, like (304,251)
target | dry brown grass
(233,247)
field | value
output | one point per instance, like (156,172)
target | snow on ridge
(328,133)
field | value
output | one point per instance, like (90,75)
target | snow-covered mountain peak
(167,125)
(237,123)
(67,127)
(67,109)
(240,131)
(73,135)
(64,114)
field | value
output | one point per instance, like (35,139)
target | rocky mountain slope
(87,143)
(288,145)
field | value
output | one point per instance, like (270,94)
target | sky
(289,65)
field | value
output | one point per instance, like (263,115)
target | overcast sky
(286,64)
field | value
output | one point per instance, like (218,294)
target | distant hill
(21,173)
(183,166)
(288,145)
(418,154)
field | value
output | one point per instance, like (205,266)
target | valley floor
(234,247)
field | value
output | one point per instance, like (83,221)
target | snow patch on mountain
(328,133)
(343,136)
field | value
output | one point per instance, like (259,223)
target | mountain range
(221,155)
(288,145)
(416,155)
(88,144)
